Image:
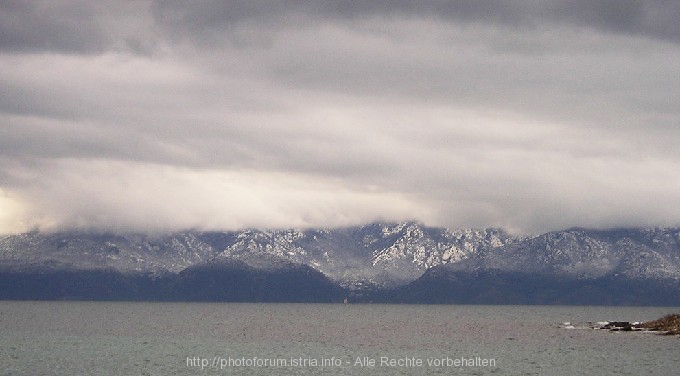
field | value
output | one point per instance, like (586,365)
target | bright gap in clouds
(12,215)
(116,196)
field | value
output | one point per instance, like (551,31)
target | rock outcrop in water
(623,326)
(667,325)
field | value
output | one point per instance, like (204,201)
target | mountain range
(381,262)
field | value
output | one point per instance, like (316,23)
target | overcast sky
(155,116)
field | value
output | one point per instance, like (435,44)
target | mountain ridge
(377,261)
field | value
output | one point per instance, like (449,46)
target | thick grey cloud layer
(528,115)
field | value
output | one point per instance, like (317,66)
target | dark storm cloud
(656,19)
(531,115)
(94,27)
(71,27)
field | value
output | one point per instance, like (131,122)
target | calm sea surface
(92,338)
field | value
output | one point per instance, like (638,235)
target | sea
(148,338)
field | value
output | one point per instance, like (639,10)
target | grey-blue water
(123,338)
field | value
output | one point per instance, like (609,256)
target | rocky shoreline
(667,325)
